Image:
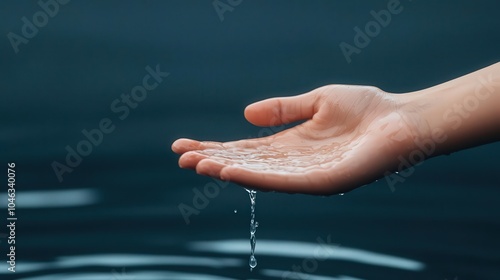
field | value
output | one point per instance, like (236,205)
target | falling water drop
(341,193)
(235,211)
(253,228)
(252,262)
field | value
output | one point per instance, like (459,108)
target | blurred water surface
(116,215)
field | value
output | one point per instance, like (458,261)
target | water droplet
(341,193)
(252,262)
(235,211)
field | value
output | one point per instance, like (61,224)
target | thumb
(282,110)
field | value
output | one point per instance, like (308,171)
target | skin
(351,135)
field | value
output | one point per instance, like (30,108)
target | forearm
(461,113)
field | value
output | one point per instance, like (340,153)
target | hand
(352,136)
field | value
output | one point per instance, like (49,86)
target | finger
(290,183)
(190,159)
(283,110)
(210,168)
(183,145)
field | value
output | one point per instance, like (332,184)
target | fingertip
(175,145)
(184,145)
(190,159)
(202,168)
(210,168)
(251,113)
(224,174)
(281,110)
(247,112)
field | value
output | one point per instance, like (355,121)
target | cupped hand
(352,135)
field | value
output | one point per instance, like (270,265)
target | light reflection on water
(281,274)
(308,250)
(142,275)
(53,198)
(137,260)
(126,260)
(144,266)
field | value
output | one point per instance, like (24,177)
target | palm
(351,137)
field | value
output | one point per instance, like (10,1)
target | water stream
(253,228)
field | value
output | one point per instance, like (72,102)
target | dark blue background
(446,215)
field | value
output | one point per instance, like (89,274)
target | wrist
(458,114)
